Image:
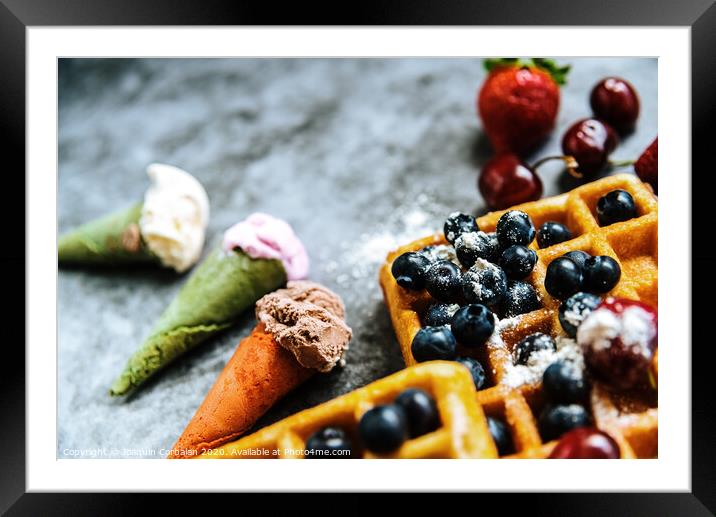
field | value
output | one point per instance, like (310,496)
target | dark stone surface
(359,155)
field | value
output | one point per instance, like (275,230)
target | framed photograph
(382,242)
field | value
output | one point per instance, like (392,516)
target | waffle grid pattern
(463,433)
(632,417)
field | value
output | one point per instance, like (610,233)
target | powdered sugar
(576,314)
(486,281)
(538,362)
(634,327)
(637,330)
(441,252)
(450,236)
(599,329)
(502,325)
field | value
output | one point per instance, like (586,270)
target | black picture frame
(17,15)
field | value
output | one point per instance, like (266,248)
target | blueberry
(472,325)
(433,343)
(554,421)
(324,442)
(476,370)
(564,278)
(383,428)
(564,383)
(574,309)
(536,342)
(484,283)
(614,207)
(444,281)
(520,298)
(551,233)
(518,261)
(421,411)
(410,269)
(601,274)
(458,223)
(515,227)
(501,435)
(439,314)
(474,245)
(578,256)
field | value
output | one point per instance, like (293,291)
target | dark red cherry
(616,102)
(586,443)
(618,341)
(506,181)
(647,166)
(590,142)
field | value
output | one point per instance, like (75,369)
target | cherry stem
(621,163)
(569,161)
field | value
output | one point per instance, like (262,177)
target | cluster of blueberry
(566,391)
(577,271)
(483,278)
(382,429)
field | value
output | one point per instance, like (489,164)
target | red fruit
(618,340)
(647,166)
(518,106)
(507,181)
(615,101)
(586,443)
(590,142)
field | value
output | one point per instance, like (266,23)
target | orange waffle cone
(259,374)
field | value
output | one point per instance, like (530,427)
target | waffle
(630,417)
(463,432)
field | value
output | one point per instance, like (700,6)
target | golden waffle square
(463,432)
(630,417)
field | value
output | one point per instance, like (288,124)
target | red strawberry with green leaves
(647,166)
(518,102)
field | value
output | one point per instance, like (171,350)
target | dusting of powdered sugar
(353,263)
(576,314)
(452,309)
(450,236)
(502,325)
(441,252)
(638,330)
(477,241)
(477,275)
(599,329)
(519,374)
(634,327)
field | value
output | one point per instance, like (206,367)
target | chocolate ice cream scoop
(306,319)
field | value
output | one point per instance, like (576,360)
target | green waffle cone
(112,239)
(218,291)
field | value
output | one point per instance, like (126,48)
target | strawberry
(647,166)
(518,102)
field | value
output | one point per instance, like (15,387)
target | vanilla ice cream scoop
(174,216)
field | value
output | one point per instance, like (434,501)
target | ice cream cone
(300,331)
(260,373)
(218,291)
(112,239)
(167,228)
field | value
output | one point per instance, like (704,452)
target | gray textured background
(359,155)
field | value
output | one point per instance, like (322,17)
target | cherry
(590,142)
(505,181)
(615,101)
(618,341)
(647,166)
(586,443)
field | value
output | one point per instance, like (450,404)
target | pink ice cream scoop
(264,236)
